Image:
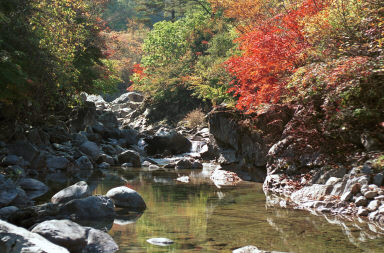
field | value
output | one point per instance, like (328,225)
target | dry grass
(195,118)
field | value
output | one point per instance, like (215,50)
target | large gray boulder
(126,197)
(15,240)
(57,162)
(76,191)
(167,141)
(90,149)
(129,156)
(76,238)
(93,207)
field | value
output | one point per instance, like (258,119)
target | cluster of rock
(293,161)
(59,221)
(358,192)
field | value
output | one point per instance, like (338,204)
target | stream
(200,217)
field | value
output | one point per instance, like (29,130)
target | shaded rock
(322,175)
(184,164)
(90,149)
(125,197)
(12,160)
(8,191)
(93,207)
(58,134)
(76,191)
(160,241)
(83,163)
(30,184)
(75,237)
(227,156)
(104,166)
(129,156)
(57,162)
(6,212)
(378,179)
(15,239)
(170,141)
(129,137)
(361,201)
(106,158)
(24,149)
(21,199)
(110,123)
(83,117)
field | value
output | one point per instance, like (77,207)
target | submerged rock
(160,241)
(126,197)
(252,249)
(15,239)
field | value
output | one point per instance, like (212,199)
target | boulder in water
(126,197)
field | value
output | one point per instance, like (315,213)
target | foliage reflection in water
(198,217)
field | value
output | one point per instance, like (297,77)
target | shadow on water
(199,217)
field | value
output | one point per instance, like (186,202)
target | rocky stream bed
(47,203)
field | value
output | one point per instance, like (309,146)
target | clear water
(199,217)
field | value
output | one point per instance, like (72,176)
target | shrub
(195,118)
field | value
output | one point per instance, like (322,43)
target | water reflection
(198,217)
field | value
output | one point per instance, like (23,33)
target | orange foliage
(270,52)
